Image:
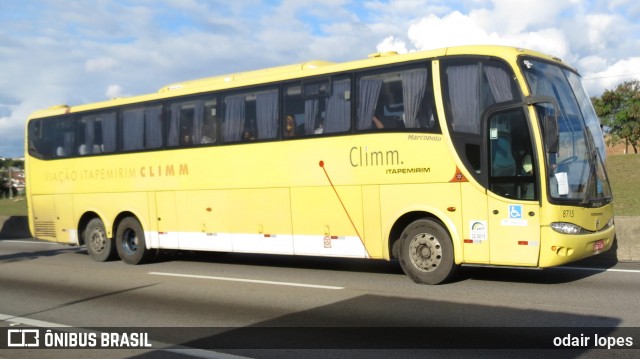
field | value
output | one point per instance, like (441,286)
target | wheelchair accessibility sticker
(515,211)
(515,217)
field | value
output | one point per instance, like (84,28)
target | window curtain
(233,118)
(109,133)
(198,122)
(499,83)
(267,116)
(338,108)
(311,107)
(69,143)
(153,127)
(414,84)
(89,134)
(174,126)
(367,100)
(463,84)
(133,130)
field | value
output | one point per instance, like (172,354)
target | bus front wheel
(99,246)
(130,241)
(426,252)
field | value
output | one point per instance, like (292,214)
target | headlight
(609,224)
(566,228)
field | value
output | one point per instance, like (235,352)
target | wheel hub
(97,241)
(130,242)
(425,252)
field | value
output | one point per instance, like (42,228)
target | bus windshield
(576,171)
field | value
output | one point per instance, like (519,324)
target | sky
(73,52)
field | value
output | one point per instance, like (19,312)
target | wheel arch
(84,221)
(110,227)
(403,221)
(121,216)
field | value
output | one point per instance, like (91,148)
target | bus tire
(99,246)
(130,241)
(426,252)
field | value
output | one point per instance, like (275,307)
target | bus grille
(45,230)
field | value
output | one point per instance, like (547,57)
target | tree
(19,164)
(619,110)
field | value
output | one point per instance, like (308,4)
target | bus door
(512,197)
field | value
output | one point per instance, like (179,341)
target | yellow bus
(479,155)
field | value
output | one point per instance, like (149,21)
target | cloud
(457,29)
(611,75)
(593,38)
(515,17)
(115,91)
(101,64)
(392,44)
(454,29)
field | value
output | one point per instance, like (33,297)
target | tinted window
(250,116)
(394,100)
(470,86)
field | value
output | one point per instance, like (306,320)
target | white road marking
(600,269)
(29,322)
(290,284)
(31,242)
(201,353)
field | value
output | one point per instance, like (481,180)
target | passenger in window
(377,123)
(247,136)
(380,121)
(527,165)
(320,129)
(523,157)
(290,126)
(205,136)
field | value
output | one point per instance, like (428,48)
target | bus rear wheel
(130,241)
(99,246)
(426,252)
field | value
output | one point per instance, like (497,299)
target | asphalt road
(268,301)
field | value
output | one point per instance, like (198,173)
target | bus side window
(250,116)
(186,121)
(470,86)
(39,142)
(192,123)
(304,113)
(141,129)
(396,99)
(511,163)
(64,137)
(97,134)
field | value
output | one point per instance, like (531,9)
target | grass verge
(13,207)
(624,174)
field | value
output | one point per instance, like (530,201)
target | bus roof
(290,72)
